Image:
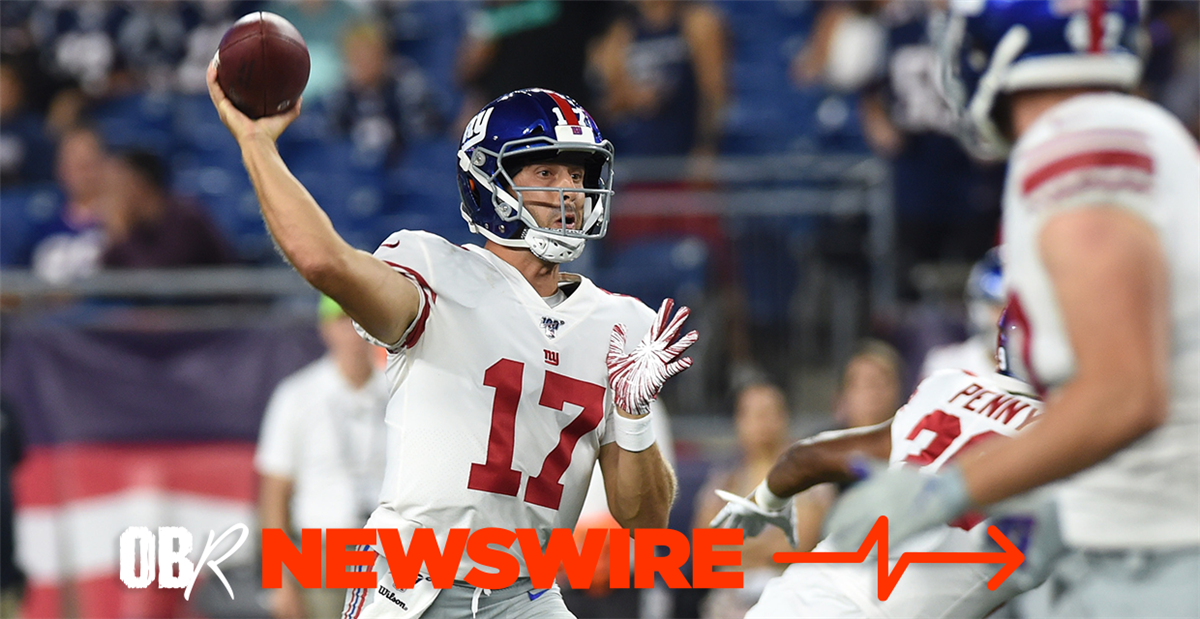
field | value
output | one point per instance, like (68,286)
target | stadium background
(789,225)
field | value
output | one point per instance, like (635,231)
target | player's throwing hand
(240,125)
(637,377)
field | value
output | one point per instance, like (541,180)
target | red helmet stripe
(1096,22)
(565,108)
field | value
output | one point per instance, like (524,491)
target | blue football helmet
(522,127)
(984,293)
(1010,339)
(992,47)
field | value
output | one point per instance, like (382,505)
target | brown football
(262,64)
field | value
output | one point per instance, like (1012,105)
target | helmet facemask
(978,129)
(564,242)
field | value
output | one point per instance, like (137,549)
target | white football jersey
(499,402)
(1116,150)
(975,355)
(949,411)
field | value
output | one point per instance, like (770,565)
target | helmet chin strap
(553,248)
(548,247)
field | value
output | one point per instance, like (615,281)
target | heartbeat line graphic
(1011,557)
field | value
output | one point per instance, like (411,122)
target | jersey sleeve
(1088,153)
(278,447)
(415,255)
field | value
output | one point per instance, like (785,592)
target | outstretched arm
(827,457)
(382,301)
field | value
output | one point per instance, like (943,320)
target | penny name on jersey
(995,405)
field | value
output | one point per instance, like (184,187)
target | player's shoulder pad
(1014,386)
(944,379)
(432,261)
(629,311)
(1089,143)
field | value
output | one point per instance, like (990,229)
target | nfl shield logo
(576,130)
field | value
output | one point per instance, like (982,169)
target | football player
(949,412)
(1101,212)
(509,378)
(984,297)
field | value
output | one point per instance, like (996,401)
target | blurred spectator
(384,99)
(947,205)
(761,419)
(321,451)
(1172,73)
(25,151)
(871,386)
(215,17)
(321,23)
(845,49)
(69,246)
(79,40)
(153,40)
(12,579)
(514,44)
(146,227)
(663,64)
(984,297)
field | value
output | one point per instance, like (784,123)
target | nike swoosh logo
(533,596)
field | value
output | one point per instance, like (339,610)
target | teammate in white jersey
(949,411)
(509,379)
(1101,213)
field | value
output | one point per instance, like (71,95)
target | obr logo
(174,544)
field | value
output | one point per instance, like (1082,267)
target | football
(262,64)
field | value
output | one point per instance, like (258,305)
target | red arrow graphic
(1011,557)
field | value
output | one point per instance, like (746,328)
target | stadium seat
(198,127)
(656,268)
(22,211)
(143,121)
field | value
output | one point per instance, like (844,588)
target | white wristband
(633,434)
(768,500)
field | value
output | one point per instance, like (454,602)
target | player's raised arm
(383,302)
(827,458)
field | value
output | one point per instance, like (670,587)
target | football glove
(749,516)
(637,377)
(912,501)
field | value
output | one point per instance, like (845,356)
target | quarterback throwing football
(509,378)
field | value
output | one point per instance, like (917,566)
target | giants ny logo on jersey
(550,326)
